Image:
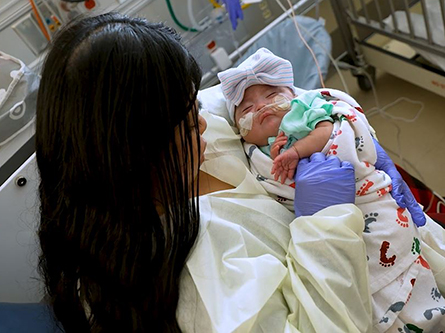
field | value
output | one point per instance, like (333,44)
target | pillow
(212,100)
(224,155)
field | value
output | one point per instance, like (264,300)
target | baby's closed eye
(247,109)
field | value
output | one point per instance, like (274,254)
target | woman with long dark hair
(118,151)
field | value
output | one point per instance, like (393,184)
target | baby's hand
(285,164)
(279,142)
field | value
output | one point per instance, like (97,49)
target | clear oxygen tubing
(334,62)
(307,46)
(383,112)
(281,104)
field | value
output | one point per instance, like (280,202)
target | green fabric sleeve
(307,110)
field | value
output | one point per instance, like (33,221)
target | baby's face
(255,97)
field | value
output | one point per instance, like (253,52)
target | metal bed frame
(370,43)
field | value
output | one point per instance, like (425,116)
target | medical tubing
(382,110)
(307,46)
(179,24)
(276,107)
(334,62)
(235,43)
(398,131)
(403,161)
(371,81)
(24,128)
(192,18)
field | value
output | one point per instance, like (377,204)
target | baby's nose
(261,104)
(265,100)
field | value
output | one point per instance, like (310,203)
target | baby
(304,127)
(281,124)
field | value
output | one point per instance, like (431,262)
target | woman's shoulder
(209,184)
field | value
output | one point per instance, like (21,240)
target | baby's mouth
(264,115)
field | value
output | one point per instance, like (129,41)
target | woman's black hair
(116,142)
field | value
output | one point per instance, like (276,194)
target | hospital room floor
(421,147)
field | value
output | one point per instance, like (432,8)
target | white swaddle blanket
(392,240)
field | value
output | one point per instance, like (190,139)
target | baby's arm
(284,164)
(315,140)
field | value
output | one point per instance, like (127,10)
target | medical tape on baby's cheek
(245,123)
(281,103)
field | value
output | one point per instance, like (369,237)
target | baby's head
(259,114)
(262,79)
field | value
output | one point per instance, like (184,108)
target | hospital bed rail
(373,37)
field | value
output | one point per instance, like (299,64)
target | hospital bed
(405,38)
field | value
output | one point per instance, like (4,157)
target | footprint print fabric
(369,218)
(401,282)
(385,259)
(392,240)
